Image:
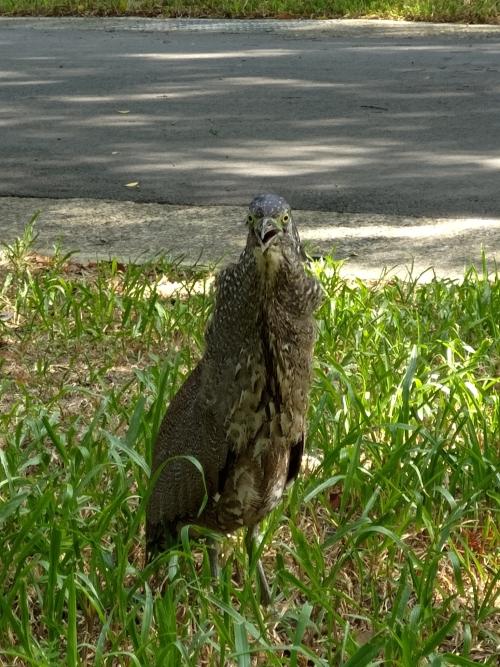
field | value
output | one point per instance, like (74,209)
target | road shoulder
(131,232)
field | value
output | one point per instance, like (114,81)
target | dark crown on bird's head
(270,218)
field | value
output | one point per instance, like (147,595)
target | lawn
(385,551)
(473,11)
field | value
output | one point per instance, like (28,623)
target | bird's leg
(213,557)
(251,543)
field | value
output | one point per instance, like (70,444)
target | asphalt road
(349,117)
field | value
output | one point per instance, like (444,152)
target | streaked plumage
(242,410)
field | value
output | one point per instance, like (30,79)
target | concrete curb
(128,231)
(337,27)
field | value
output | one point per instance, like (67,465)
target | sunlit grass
(384,552)
(475,11)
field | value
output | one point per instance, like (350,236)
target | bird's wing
(191,451)
(195,424)
(180,488)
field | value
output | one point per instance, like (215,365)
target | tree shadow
(404,125)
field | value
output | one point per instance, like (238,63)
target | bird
(241,413)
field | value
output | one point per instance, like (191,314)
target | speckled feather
(242,410)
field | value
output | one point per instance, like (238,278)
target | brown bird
(242,411)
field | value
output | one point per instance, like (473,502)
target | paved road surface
(360,117)
(368,122)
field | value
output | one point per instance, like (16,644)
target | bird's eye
(250,219)
(286,218)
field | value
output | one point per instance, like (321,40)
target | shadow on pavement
(365,123)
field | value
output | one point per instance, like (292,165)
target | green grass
(385,552)
(475,11)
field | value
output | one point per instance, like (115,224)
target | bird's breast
(251,491)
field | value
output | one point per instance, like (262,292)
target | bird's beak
(267,232)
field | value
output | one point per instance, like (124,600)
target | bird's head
(270,223)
